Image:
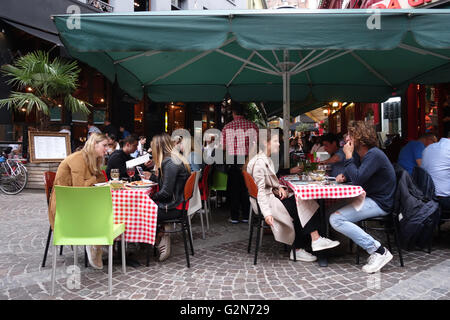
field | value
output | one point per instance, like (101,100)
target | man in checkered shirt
(237,136)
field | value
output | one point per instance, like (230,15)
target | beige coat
(72,172)
(262,170)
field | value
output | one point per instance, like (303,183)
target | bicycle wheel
(14,177)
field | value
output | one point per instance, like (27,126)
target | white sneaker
(302,255)
(164,247)
(377,261)
(95,257)
(323,243)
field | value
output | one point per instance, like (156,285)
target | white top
(436,161)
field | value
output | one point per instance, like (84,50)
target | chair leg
(190,227)
(250,217)
(399,248)
(46,246)
(205,204)
(110,268)
(61,251)
(190,240)
(294,253)
(258,233)
(203,227)
(85,258)
(184,231)
(261,233)
(357,254)
(388,241)
(250,235)
(124,261)
(75,256)
(54,270)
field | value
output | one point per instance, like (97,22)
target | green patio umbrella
(268,55)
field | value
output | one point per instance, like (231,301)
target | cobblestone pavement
(220,269)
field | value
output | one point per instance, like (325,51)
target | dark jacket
(171,184)
(117,160)
(418,215)
(424,182)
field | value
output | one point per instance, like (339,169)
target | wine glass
(130,172)
(115,174)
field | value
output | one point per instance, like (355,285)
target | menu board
(48,146)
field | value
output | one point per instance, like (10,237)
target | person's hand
(282,193)
(269,220)
(149,150)
(148,163)
(147,175)
(341,178)
(296,169)
(348,149)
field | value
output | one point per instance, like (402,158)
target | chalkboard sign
(48,146)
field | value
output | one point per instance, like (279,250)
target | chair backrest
(195,202)
(251,185)
(49,179)
(189,186)
(203,184)
(220,180)
(84,216)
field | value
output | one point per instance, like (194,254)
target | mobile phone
(140,171)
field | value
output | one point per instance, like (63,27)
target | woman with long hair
(82,169)
(280,210)
(172,171)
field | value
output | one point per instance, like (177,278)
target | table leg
(322,257)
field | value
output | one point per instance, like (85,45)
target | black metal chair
(257,218)
(183,220)
(388,224)
(424,182)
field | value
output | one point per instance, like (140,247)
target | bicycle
(13,174)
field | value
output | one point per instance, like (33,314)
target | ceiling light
(335,104)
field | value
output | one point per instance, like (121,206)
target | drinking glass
(115,174)
(130,172)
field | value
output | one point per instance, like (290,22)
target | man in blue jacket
(411,154)
(376,175)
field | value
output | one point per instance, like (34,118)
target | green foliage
(52,83)
(253,114)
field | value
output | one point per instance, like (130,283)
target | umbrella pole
(286,116)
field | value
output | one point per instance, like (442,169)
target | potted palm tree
(42,84)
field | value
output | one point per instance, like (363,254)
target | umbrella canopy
(282,55)
(198,56)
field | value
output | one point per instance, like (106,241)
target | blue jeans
(344,219)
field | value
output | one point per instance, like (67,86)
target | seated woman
(376,175)
(82,169)
(172,171)
(279,210)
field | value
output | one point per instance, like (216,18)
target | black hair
(330,137)
(238,108)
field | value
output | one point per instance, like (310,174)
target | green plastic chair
(219,183)
(84,216)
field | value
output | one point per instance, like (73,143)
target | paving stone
(220,269)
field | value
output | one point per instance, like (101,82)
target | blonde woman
(172,172)
(82,169)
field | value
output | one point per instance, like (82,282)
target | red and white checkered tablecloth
(317,191)
(305,194)
(138,211)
